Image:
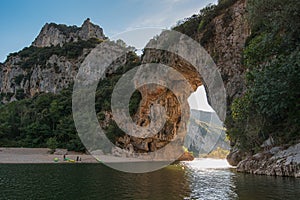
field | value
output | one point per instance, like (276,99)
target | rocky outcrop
(59,34)
(226,50)
(186,156)
(235,157)
(224,39)
(276,161)
(57,73)
(24,74)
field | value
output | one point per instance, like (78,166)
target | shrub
(52,144)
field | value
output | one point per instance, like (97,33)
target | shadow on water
(249,186)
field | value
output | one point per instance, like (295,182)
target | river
(190,180)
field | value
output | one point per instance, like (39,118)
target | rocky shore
(277,161)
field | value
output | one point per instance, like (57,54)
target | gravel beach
(40,155)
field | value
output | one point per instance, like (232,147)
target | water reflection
(208,183)
(96,181)
(224,183)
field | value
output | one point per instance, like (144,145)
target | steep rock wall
(224,40)
(47,66)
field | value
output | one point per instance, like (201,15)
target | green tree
(52,144)
(271,104)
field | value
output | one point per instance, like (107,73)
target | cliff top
(53,34)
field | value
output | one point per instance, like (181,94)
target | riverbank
(277,161)
(41,155)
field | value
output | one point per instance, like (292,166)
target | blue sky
(21,20)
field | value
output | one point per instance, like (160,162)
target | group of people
(78,158)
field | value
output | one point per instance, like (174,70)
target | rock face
(235,157)
(226,50)
(59,34)
(56,74)
(58,71)
(186,156)
(276,161)
(19,76)
(228,33)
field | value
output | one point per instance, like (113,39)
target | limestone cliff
(51,63)
(58,34)
(228,34)
(224,38)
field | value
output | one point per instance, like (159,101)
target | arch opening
(206,133)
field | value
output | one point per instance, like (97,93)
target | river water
(190,180)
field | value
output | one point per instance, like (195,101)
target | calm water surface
(96,181)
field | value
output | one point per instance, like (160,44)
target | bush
(32,56)
(46,119)
(270,106)
(52,144)
(202,21)
(18,79)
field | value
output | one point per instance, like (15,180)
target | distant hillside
(205,133)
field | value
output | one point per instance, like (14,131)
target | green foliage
(46,119)
(32,122)
(32,55)
(52,144)
(271,104)
(134,102)
(189,25)
(20,94)
(228,17)
(106,86)
(18,79)
(202,22)
(103,97)
(218,153)
(112,131)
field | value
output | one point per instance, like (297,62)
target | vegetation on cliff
(198,23)
(270,107)
(32,55)
(46,120)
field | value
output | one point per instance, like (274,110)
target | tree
(52,144)
(271,104)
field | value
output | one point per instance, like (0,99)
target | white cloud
(168,12)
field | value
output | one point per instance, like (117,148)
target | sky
(22,20)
